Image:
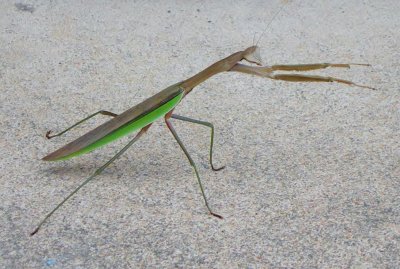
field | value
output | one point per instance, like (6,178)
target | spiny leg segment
(96,173)
(309,67)
(267,71)
(102,112)
(311,78)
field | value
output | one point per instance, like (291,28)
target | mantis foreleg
(267,72)
(309,67)
(311,78)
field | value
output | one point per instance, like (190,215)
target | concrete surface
(312,177)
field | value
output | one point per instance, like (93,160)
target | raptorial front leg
(267,72)
(309,67)
(102,112)
(311,78)
(205,123)
(171,128)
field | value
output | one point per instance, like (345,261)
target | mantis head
(252,55)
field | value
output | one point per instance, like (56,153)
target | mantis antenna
(266,28)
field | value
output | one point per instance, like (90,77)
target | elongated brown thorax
(221,66)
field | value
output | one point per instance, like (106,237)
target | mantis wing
(132,119)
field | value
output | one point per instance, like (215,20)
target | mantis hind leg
(171,128)
(96,173)
(102,112)
(205,123)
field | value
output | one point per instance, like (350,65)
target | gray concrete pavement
(312,177)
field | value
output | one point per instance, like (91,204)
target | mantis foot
(48,136)
(216,215)
(217,169)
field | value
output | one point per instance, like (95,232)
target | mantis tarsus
(162,104)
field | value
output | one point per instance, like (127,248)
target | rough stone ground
(312,177)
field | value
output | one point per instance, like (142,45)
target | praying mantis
(162,104)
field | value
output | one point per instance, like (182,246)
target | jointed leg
(171,128)
(102,112)
(208,124)
(97,172)
(309,67)
(267,72)
(310,78)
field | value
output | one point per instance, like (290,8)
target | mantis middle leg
(205,123)
(171,128)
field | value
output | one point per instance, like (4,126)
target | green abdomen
(129,127)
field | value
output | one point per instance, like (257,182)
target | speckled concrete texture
(313,170)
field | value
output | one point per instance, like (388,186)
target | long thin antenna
(273,18)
